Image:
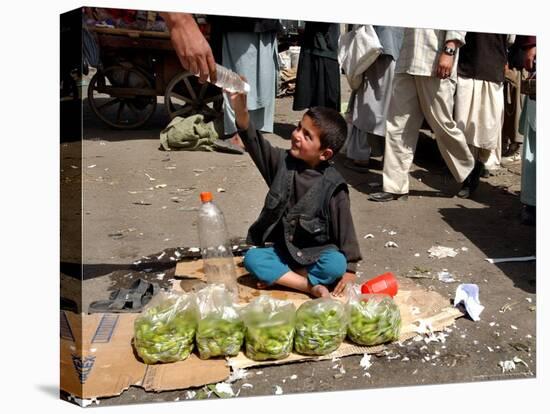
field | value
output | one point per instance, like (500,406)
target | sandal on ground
(384,196)
(227,146)
(126,300)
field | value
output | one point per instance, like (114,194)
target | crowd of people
(468,88)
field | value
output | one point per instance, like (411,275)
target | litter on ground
(441,252)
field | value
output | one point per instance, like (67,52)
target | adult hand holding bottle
(192,48)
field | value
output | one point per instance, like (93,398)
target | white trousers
(413,99)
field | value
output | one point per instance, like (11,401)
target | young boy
(307,213)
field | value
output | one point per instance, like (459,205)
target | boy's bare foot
(261,285)
(320,291)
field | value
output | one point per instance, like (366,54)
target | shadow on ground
(495,228)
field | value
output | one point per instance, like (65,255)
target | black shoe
(471,182)
(384,196)
(464,191)
(528,215)
(227,147)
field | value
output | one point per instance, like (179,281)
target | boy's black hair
(332,125)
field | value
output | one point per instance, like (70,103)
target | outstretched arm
(192,48)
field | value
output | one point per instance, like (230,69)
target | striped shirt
(421,49)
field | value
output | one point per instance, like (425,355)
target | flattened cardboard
(415,304)
(195,268)
(98,360)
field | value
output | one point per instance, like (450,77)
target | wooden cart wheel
(185,96)
(122,97)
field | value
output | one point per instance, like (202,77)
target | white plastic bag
(357,50)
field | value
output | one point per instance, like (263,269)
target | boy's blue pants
(269,264)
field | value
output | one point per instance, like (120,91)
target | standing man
(479,101)
(370,103)
(424,86)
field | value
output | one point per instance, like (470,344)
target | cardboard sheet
(98,359)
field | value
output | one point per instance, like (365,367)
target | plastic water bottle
(219,266)
(230,81)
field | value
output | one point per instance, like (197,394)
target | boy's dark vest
(306,225)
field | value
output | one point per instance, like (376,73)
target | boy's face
(306,143)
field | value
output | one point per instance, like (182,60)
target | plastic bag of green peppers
(220,331)
(374,319)
(321,326)
(269,328)
(165,331)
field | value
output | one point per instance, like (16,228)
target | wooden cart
(136,68)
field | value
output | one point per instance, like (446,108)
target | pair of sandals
(127,300)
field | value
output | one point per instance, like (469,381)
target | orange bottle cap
(206,196)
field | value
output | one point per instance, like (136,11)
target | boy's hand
(340,287)
(238,103)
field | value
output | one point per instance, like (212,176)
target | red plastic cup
(385,283)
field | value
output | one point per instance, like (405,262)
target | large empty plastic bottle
(219,265)
(230,81)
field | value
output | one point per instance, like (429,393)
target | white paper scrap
(237,374)
(445,277)
(468,294)
(507,366)
(441,251)
(365,362)
(225,388)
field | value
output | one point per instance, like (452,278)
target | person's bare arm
(192,48)
(445,66)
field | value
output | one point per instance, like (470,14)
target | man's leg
(436,97)
(402,127)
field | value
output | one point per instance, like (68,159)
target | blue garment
(528,126)
(390,39)
(254,56)
(269,264)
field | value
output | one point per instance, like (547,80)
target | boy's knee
(251,259)
(334,263)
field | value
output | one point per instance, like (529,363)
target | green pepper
(374,320)
(321,326)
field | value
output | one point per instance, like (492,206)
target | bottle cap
(206,196)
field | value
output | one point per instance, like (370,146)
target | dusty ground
(125,217)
